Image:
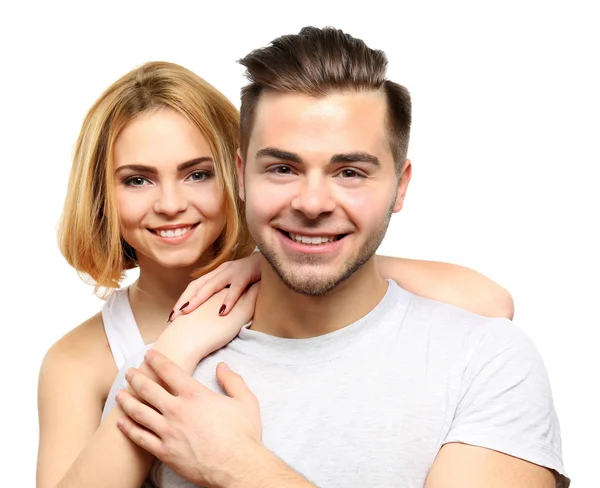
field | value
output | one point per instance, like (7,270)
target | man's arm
(505,408)
(262,469)
(465,466)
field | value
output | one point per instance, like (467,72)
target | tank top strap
(122,332)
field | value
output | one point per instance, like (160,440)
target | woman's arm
(74,451)
(444,282)
(103,456)
(449,283)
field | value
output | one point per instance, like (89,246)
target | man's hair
(319,62)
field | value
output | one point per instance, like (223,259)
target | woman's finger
(241,297)
(184,300)
(209,289)
(187,302)
(235,292)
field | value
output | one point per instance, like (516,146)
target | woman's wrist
(184,346)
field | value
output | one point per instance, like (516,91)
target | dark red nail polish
(222,309)
(170,315)
(184,305)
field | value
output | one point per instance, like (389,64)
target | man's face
(320,185)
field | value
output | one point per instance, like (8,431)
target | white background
(504,149)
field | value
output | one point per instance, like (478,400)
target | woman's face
(169,203)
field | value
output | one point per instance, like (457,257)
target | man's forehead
(334,105)
(337,122)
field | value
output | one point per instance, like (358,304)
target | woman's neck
(153,295)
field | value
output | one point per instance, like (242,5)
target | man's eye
(283,170)
(349,173)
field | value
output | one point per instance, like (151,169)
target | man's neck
(284,313)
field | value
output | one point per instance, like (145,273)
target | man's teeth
(174,232)
(315,241)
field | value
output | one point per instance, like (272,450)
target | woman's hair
(89,232)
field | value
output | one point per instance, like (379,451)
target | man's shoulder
(451,324)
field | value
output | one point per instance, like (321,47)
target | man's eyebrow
(273,152)
(142,168)
(352,157)
(355,157)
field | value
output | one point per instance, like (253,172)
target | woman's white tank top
(122,332)
(125,341)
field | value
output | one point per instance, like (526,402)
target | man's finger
(234,385)
(148,390)
(177,380)
(143,438)
(141,414)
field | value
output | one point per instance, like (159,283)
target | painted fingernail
(184,305)
(170,315)
(222,309)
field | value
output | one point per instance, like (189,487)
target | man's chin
(309,280)
(310,288)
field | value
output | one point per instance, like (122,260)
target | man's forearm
(262,469)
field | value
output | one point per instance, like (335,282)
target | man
(360,383)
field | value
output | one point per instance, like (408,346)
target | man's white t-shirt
(373,403)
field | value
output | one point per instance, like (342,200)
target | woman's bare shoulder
(82,353)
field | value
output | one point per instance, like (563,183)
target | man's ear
(403,182)
(239,163)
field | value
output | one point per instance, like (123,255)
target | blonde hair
(89,231)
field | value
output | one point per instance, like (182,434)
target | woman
(153,186)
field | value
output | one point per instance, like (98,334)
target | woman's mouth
(173,232)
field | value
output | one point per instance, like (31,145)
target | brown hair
(318,62)
(89,231)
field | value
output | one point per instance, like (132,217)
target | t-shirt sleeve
(505,402)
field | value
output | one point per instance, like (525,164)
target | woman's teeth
(174,232)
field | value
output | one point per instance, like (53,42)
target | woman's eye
(136,181)
(199,175)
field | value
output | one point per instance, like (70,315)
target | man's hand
(203,436)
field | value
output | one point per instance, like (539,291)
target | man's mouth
(313,240)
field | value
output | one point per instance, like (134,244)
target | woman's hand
(193,336)
(234,275)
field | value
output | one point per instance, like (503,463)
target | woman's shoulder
(83,354)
